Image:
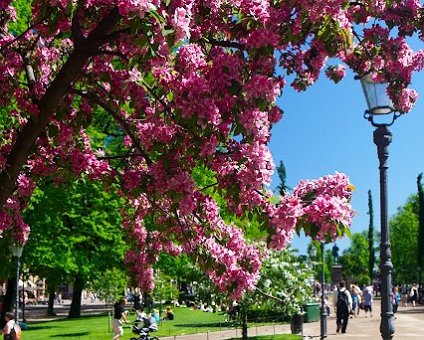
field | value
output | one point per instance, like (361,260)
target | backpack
(342,301)
(15,333)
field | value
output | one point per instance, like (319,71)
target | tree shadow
(70,335)
(36,327)
(199,325)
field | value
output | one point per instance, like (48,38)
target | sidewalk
(408,325)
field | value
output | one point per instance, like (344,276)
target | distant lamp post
(381,115)
(312,255)
(323,319)
(17,249)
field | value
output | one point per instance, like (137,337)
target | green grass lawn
(96,327)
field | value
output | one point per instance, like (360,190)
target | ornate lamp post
(381,115)
(312,255)
(323,319)
(17,249)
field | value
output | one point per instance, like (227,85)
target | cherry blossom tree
(192,86)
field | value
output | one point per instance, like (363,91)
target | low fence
(235,332)
(222,330)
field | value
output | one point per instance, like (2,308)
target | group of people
(410,294)
(348,303)
(148,321)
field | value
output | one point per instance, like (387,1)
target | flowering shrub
(189,85)
(285,286)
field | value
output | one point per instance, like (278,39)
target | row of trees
(407,244)
(407,238)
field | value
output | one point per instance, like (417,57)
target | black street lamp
(17,249)
(381,115)
(323,319)
(312,255)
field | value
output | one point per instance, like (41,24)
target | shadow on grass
(36,327)
(70,335)
(202,325)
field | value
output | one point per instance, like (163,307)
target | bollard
(108,322)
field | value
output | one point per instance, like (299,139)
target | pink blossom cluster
(322,207)
(11,221)
(336,73)
(284,219)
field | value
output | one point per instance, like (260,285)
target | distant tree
(371,258)
(282,187)
(165,287)
(110,284)
(420,244)
(355,259)
(403,239)
(76,235)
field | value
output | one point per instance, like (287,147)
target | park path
(409,325)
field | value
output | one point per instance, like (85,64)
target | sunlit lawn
(96,327)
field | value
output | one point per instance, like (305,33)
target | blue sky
(323,131)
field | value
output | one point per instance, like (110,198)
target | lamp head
(379,103)
(17,249)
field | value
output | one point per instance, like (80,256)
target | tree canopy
(190,85)
(403,239)
(355,259)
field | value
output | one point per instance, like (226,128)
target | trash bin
(311,312)
(297,324)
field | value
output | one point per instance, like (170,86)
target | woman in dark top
(169,314)
(119,316)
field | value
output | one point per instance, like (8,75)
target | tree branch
(229,44)
(75,26)
(100,102)
(120,156)
(49,102)
(269,295)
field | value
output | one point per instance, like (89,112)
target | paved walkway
(409,325)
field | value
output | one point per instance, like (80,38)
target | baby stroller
(143,328)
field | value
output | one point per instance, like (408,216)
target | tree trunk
(243,322)
(50,306)
(75,311)
(8,300)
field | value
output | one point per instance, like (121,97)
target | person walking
(119,316)
(368,299)
(343,306)
(396,300)
(413,294)
(356,299)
